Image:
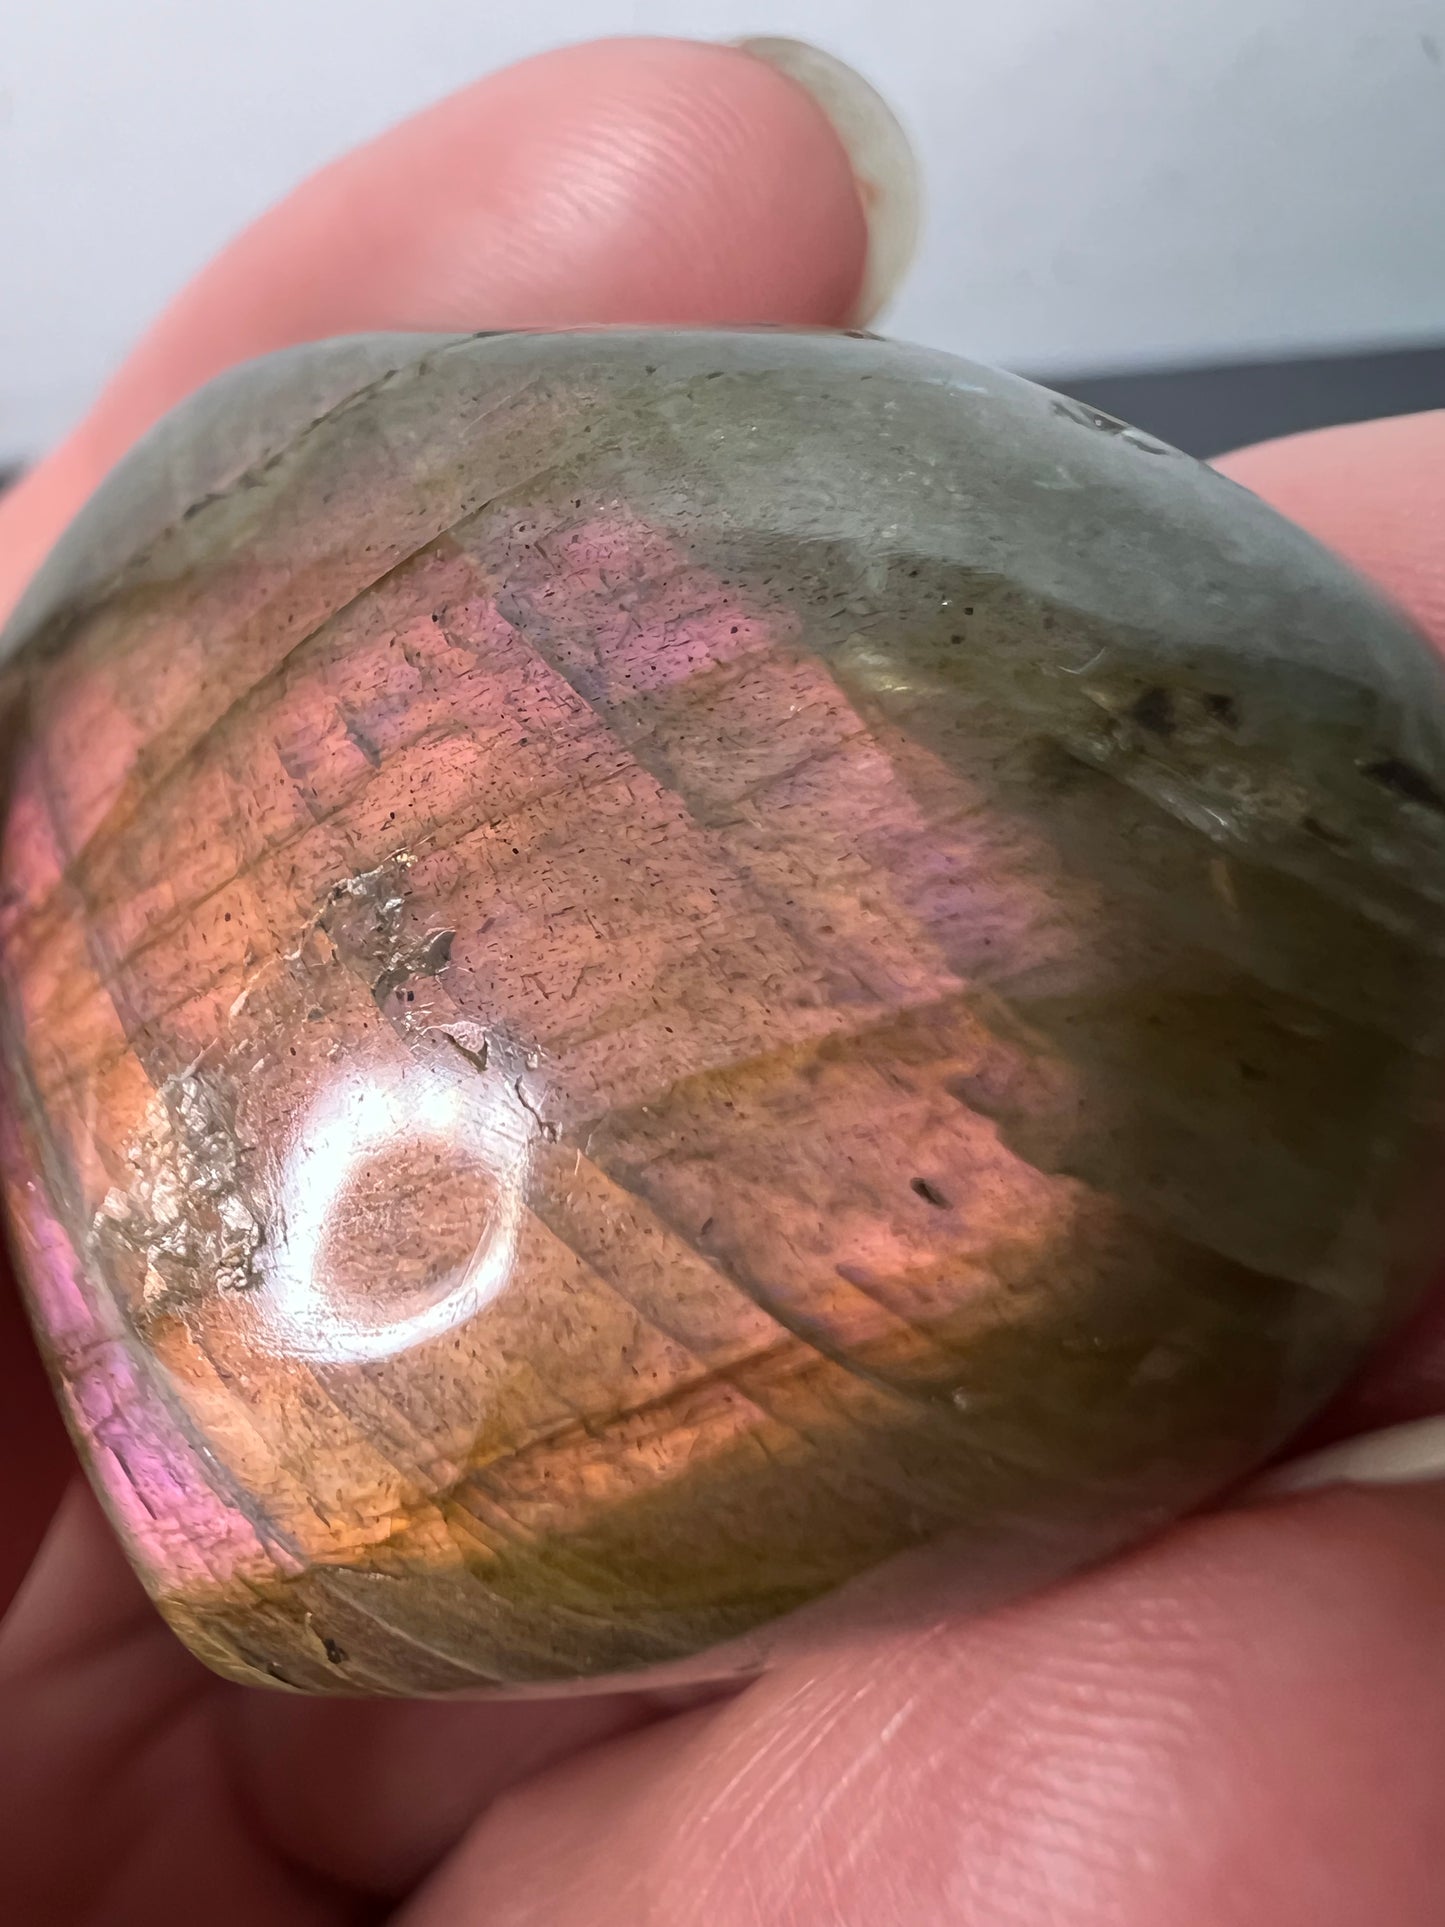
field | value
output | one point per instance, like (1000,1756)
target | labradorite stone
(641,971)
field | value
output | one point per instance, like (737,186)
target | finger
(348,1796)
(1374,492)
(373,1796)
(648,179)
(102,1712)
(359,1796)
(34,1456)
(624,180)
(1242,1725)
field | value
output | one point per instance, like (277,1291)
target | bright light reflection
(478,1123)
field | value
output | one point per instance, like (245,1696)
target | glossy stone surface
(640,971)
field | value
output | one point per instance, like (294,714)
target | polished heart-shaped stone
(664,991)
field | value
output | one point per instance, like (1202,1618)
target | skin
(1242,1722)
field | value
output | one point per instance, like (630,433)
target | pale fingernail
(1401,1455)
(883,162)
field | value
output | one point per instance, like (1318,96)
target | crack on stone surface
(548,1129)
(1095,418)
(363,920)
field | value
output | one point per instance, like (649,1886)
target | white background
(1111,182)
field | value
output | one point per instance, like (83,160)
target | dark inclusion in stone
(641,971)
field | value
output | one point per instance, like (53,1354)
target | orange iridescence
(578,1090)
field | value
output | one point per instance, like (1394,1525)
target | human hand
(1238,1724)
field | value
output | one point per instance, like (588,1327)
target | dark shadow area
(1206,410)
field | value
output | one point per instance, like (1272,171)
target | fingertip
(884,167)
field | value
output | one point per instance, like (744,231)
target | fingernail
(883,162)
(1401,1455)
